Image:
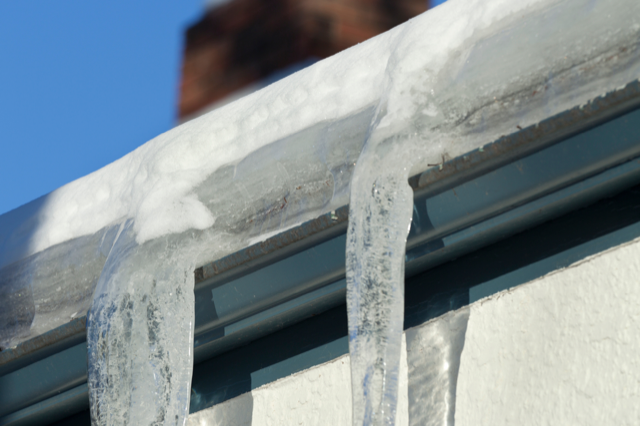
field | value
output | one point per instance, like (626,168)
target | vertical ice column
(434,350)
(140,338)
(379,219)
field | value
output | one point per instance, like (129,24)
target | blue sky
(82,84)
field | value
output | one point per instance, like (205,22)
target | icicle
(380,215)
(140,337)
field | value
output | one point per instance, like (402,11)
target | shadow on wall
(238,411)
(232,375)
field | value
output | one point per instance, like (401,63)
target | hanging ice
(380,215)
(140,335)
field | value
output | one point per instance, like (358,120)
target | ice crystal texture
(378,227)
(140,337)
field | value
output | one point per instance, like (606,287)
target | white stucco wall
(562,349)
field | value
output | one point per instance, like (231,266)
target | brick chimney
(243,41)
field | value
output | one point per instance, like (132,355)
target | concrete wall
(562,349)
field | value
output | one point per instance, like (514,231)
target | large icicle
(380,216)
(140,336)
(380,212)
